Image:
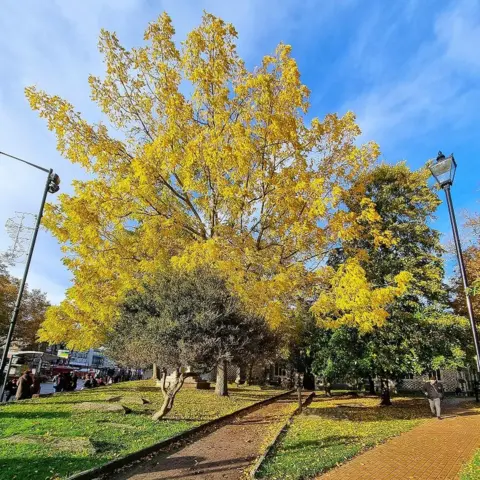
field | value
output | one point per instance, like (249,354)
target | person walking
(434,392)
(24,384)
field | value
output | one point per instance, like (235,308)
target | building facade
(450,378)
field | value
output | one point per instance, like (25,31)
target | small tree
(185,319)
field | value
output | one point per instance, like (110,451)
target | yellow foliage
(351,300)
(231,175)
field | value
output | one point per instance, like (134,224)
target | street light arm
(24,161)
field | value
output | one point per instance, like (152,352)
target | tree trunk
(386,401)
(240,380)
(250,374)
(308,381)
(169,392)
(155,372)
(371,385)
(164,409)
(221,385)
(328,387)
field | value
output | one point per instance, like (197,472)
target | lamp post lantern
(51,186)
(443,169)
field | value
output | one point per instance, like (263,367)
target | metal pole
(18,302)
(463,274)
(24,161)
(5,380)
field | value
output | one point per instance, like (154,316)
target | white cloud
(432,88)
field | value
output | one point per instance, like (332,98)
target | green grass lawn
(72,441)
(471,471)
(333,430)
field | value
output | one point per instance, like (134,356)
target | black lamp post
(443,169)
(51,186)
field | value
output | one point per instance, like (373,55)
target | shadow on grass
(32,467)
(24,414)
(102,447)
(73,402)
(401,409)
(134,389)
(331,441)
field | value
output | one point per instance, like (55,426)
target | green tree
(185,319)
(405,204)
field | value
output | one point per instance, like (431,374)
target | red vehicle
(57,369)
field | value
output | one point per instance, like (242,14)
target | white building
(94,358)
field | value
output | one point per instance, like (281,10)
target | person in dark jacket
(74,381)
(36,385)
(433,390)
(10,389)
(24,385)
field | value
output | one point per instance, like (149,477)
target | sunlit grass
(334,430)
(471,471)
(111,435)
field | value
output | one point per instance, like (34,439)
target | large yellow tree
(202,161)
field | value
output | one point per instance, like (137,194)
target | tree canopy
(202,161)
(419,333)
(187,319)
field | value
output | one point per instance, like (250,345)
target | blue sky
(409,69)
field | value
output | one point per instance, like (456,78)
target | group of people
(28,384)
(65,382)
(25,387)
(92,382)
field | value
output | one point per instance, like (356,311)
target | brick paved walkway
(435,450)
(224,454)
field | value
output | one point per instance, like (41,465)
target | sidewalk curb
(282,429)
(113,465)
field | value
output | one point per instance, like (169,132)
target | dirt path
(223,454)
(435,450)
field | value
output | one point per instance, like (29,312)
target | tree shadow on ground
(399,410)
(102,447)
(24,415)
(326,442)
(132,389)
(32,467)
(75,402)
(182,467)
